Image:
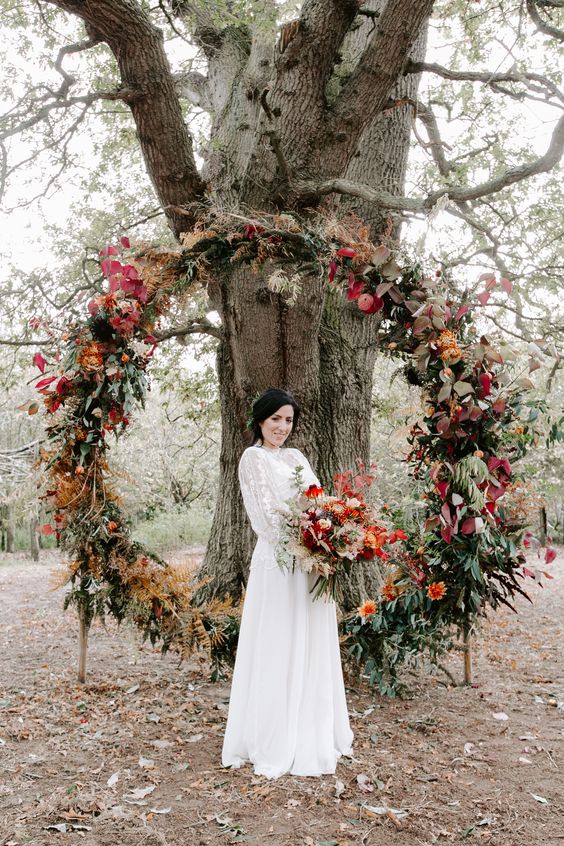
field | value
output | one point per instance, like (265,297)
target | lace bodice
(265,476)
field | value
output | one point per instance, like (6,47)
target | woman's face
(275,429)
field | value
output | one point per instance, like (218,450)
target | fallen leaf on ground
(383,810)
(140,792)
(163,744)
(364,783)
(339,788)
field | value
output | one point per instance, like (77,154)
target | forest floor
(133,756)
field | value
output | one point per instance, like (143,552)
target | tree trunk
(543,521)
(265,344)
(323,350)
(34,534)
(10,529)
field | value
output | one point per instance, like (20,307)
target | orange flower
(107,301)
(79,470)
(374,538)
(436,590)
(448,348)
(389,592)
(367,609)
(112,526)
(91,357)
(125,358)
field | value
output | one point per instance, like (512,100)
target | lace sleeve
(259,496)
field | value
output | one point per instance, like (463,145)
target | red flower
(397,534)
(309,539)
(314,491)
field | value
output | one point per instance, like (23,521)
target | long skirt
(287,711)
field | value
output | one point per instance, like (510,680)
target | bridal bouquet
(328,535)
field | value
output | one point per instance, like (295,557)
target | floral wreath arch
(467,555)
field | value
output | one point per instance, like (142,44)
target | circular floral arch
(465,558)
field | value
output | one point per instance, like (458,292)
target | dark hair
(267,404)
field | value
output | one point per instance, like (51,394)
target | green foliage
(398,637)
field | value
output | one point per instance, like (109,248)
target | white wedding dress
(287,711)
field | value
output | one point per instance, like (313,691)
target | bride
(287,711)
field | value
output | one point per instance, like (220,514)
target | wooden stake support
(82,643)
(467,657)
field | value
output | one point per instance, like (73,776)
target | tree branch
(165,141)
(207,34)
(323,25)
(196,327)
(311,189)
(541,165)
(194,87)
(541,24)
(65,103)
(308,46)
(308,191)
(367,89)
(8,342)
(489,77)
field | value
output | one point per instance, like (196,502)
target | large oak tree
(310,105)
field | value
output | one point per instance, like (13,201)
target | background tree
(311,107)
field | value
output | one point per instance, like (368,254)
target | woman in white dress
(287,711)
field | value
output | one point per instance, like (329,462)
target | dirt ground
(133,757)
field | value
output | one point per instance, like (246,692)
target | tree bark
(265,344)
